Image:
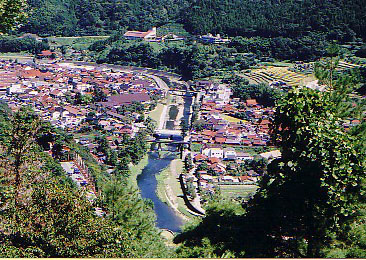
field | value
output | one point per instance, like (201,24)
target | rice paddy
(272,73)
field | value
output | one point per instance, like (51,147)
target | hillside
(84,17)
(339,20)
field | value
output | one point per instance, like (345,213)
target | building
(209,38)
(213,152)
(135,35)
(46,54)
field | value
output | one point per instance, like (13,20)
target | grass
(234,191)
(78,43)
(174,28)
(136,170)
(173,112)
(155,114)
(196,147)
(167,178)
(277,73)
(16,55)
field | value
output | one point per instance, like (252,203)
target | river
(166,216)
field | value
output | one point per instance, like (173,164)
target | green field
(155,114)
(77,43)
(234,191)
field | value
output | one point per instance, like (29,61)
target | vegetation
(98,17)
(43,215)
(11,14)
(271,18)
(262,92)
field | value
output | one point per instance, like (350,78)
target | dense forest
(337,20)
(84,17)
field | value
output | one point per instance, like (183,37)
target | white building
(213,152)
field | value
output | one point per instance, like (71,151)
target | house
(46,54)
(70,111)
(243,156)
(200,158)
(134,35)
(251,103)
(127,99)
(229,154)
(245,179)
(213,160)
(213,152)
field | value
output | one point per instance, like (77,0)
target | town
(89,101)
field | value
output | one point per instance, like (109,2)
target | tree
(11,14)
(41,214)
(25,125)
(188,165)
(134,216)
(184,127)
(312,191)
(55,221)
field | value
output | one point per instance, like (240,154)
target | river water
(166,216)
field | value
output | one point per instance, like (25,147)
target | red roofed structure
(251,102)
(133,35)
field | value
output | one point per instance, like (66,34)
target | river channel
(166,216)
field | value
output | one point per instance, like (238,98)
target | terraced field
(346,65)
(269,74)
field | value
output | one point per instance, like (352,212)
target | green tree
(312,191)
(134,216)
(11,14)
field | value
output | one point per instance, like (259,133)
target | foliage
(189,60)
(262,92)
(188,165)
(271,18)
(11,44)
(11,14)
(217,235)
(124,203)
(81,17)
(307,47)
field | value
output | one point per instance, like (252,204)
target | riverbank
(169,190)
(136,170)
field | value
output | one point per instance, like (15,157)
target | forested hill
(90,17)
(340,20)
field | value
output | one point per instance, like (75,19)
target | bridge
(166,141)
(167,132)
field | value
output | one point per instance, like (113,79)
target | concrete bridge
(167,132)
